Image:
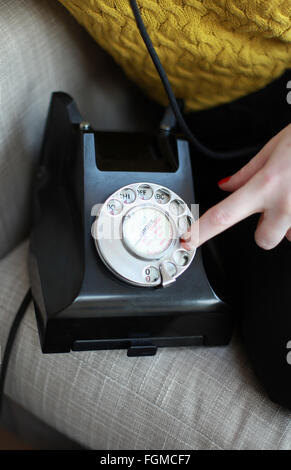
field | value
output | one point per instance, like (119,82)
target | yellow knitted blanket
(213,51)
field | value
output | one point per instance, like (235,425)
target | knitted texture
(213,51)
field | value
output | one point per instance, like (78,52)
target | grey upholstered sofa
(182,398)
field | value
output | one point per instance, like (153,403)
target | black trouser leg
(259,280)
(266,318)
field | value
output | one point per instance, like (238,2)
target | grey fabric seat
(182,398)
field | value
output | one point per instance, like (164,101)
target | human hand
(263,185)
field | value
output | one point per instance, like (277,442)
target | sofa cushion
(43,49)
(182,398)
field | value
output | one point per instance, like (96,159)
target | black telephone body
(80,303)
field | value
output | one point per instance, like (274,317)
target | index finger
(242,203)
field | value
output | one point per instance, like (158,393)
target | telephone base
(80,304)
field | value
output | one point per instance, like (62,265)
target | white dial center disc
(147,232)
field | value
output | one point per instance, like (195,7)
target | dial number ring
(148,217)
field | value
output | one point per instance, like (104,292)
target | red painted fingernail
(224,180)
(186,246)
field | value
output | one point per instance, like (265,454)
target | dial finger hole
(144,192)
(162,196)
(114,207)
(170,268)
(181,257)
(151,274)
(184,223)
(127,195)
(177,207)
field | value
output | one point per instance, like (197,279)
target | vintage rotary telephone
(101,283)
